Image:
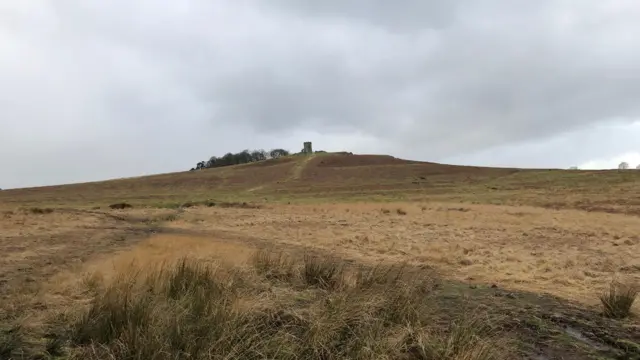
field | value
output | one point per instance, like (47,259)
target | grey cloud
(431,79)
(605,141)
(497,74)
(406,16)
(473,74)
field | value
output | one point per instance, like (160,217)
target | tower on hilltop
(307,148)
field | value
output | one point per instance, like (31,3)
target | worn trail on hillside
(296,174)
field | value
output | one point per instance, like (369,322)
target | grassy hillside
(333,257)
(354,177)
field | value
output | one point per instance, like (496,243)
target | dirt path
(299,168)
(35,248)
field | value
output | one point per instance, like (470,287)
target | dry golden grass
(561,233)
(207,302)
(194,310)
(568,253)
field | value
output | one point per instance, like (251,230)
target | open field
(513,259)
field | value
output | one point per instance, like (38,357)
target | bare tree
(623,165)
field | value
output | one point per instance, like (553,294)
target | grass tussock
(11,342)
(617,302)
(169,217)
(120,206)
(323,273)
(274,266)
(40,211)
(379,275)
(54,346)
(462,340)
(309,310)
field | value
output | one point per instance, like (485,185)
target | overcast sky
(100,89)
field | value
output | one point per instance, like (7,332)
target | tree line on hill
(243,157)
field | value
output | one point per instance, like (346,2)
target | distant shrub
(401,211)
(168,217)
(121,205)
(188,204)
(466,262)
(37,210)
(240,205)
(243,157)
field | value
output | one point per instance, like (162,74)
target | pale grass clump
(273,265)
(324,273)
(463,341)
(378,275)
(319,309)
(617,302)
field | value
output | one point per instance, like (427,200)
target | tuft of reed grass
(274,266)
(465,339)
(11,342)
(54,346)
(323,273)
(617,302)
(379,275)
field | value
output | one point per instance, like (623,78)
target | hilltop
(342,176)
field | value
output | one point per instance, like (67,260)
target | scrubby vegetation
(277,309)
(243,157)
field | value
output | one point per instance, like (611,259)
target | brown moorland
(307,255)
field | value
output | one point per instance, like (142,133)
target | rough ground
(533,248)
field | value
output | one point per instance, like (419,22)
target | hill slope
(352,177)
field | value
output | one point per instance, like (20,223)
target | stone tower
(307,148)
